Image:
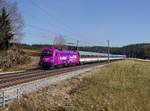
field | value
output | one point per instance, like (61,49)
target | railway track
(8,80)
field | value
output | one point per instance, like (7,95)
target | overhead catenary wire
(47,31)
(42,29)
(86,43)
(51,16)
(58,21)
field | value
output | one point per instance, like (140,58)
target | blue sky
(92,22)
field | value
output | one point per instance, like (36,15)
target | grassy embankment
(121,86)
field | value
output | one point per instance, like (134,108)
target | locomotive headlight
(46,59)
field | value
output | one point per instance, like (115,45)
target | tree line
(133,51)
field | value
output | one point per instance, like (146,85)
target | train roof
(61,51)
(85,52)
(98,54)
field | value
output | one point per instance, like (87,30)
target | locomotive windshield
(46,53)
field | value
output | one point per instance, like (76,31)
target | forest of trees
(137,50)
(133,51)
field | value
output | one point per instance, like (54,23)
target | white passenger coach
(86,57)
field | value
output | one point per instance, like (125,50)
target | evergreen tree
(5,30)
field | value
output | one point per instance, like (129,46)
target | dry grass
(32,64)
(13,57)
(121,86)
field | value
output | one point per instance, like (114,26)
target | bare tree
(59,42)
(15,18)
(1,3)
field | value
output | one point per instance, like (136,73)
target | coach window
(78,54)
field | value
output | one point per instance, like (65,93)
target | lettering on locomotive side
(63,58)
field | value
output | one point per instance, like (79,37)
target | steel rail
(11,75)
(19,72)
(27,77)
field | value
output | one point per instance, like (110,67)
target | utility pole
(124,53)
(77,44)
(108,50)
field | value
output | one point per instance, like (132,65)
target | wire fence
(6,98)
(2,99)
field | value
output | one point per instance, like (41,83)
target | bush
(13,57)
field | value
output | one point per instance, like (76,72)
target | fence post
(17,94)
(3,99)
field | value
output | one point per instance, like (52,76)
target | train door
(78,56)
(56,58)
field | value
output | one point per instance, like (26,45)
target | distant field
(32,52)
(120,86)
